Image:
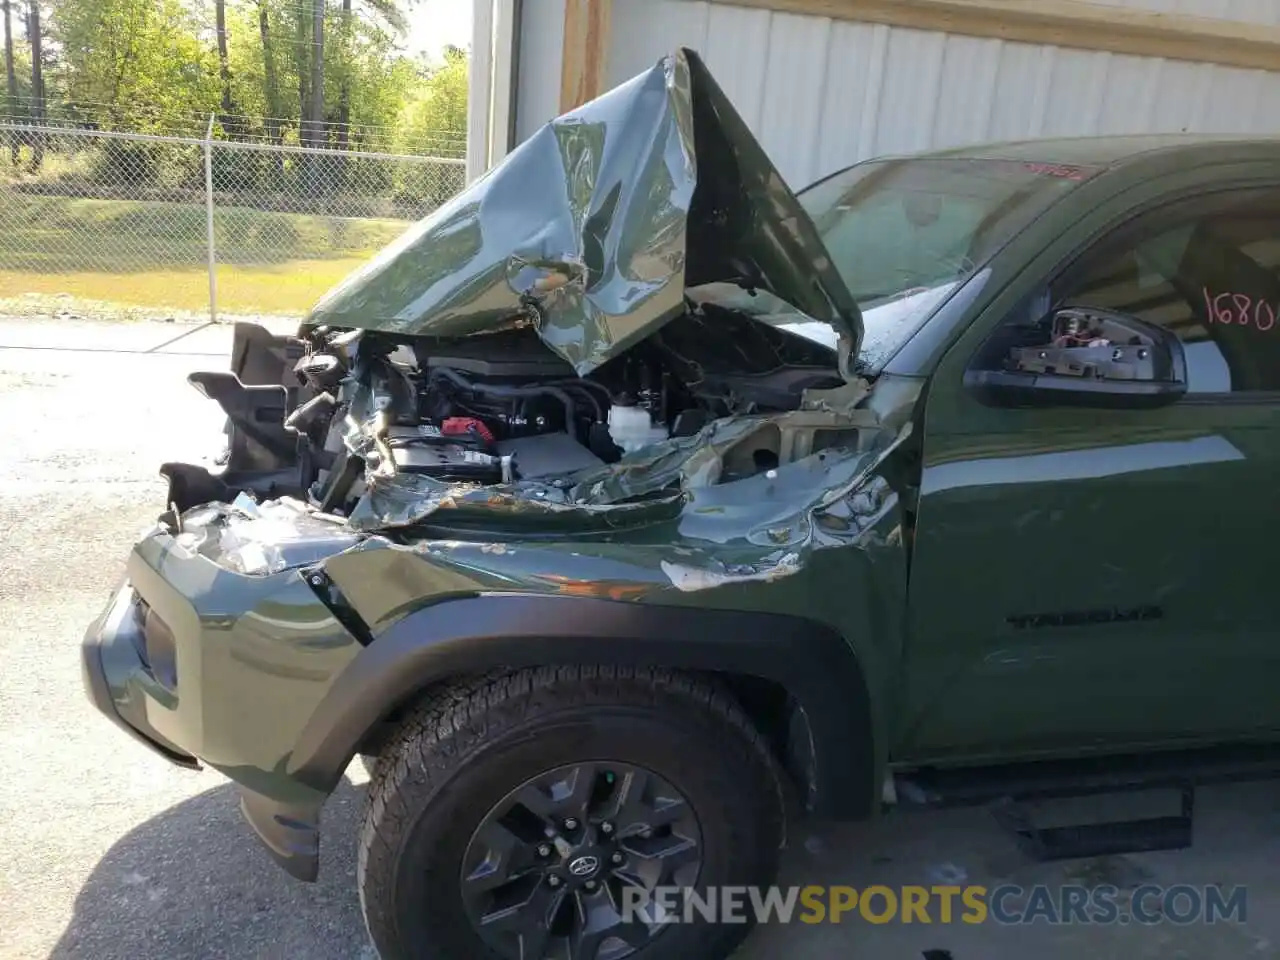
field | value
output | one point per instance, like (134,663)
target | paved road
(108,852)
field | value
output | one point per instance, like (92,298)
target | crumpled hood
(595,226)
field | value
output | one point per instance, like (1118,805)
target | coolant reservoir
(631,428)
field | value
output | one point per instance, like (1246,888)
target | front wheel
(552,813)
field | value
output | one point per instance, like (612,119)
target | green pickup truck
(631,505)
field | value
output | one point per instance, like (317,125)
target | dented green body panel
(603,218)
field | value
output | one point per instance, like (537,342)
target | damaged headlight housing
(258,540)
(250,556)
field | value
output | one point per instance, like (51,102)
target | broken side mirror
(1090,357)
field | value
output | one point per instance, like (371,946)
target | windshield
(903,234)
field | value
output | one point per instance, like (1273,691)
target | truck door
(1103,578)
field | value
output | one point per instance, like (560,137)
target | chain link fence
(201,226)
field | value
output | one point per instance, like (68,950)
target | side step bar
(1007,790)
(1096,839)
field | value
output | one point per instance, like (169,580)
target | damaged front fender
(687,534)
(815,546)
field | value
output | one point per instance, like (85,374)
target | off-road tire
(464,748)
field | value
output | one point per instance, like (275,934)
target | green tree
(35,36)
(224,65)
(344,93)
(259,61)
(11,74)
(163,66)
(434,118)
(315,108)
(433,121)
(138,64)
(11,82)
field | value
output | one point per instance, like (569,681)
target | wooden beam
(1063,23)
(586,44)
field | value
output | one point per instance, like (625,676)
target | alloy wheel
(563,867)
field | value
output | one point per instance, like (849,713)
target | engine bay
(502,407)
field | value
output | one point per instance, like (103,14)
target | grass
(152,255)
(286,289)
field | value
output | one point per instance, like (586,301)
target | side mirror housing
(1093,358)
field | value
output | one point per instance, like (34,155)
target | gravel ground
(109,852)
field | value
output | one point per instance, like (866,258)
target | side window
(1207,271)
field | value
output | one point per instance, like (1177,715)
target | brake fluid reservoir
(631,428)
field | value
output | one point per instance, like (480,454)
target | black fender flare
(476,634)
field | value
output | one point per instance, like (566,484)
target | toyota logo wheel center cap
(583,867)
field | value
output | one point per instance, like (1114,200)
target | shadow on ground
(195,882)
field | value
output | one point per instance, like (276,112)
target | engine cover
(547,454)
(432,455)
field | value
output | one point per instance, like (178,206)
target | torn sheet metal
(595,226)
(646,486)
(759,530)
(263,538)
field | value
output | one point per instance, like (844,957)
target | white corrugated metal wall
(822,93)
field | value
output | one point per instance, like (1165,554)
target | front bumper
(119,632)
(290,834)
(208,667)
